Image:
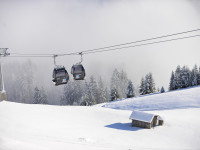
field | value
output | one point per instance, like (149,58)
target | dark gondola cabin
(78,72)
(60,76)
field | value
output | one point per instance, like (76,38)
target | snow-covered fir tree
(130,92)
(93,88)
(123,84)
(114,94)
(194,76)
(198,80)
(177,77)
(86,100)
(115,80)
(147,85)
(69,94)
(162,90)
(142,87)
(37,96)
(119,81)
(102,92)
(68,97)
(90,94)
(78,90)
(184,77)
(172,84)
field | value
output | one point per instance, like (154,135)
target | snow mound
(184,98)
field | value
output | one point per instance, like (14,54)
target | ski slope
(45,127)
(184,98)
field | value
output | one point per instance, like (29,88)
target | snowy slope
(185,98)
(44,127)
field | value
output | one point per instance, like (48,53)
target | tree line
(183,77)
(24,85)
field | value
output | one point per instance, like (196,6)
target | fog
(65,26)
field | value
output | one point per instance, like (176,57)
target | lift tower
(3,53)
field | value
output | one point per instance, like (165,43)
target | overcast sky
(64,26)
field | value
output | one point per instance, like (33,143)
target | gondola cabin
(78,72)
(60,76)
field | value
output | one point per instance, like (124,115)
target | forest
(26,85)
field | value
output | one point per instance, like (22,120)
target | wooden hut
(145,120)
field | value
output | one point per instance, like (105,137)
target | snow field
(41,127)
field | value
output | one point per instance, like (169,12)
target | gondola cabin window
(60,73)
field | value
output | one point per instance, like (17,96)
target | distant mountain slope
(184,98)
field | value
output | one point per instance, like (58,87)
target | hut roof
(141,116)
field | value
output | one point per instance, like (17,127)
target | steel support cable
(31,56)
(149,39)
(138,45)
(107,48)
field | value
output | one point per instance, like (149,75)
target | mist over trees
(20,83)
(24,85)
(40,96)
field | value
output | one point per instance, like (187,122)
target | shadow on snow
(123,126)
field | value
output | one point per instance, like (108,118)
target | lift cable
(138,45)
(149,39)
(111,48)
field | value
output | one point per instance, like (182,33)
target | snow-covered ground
(184,98)
(44,127)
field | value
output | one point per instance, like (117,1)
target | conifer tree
(102,92)
(162,90)
(172,84)
(93,91)
(123,84)
(142,87)
(40,96)
(147,85)
(69,93)
(152,83)
(130,90)
(184,77)
(119,82)
(194,76)
(37,96)
(177,77)
(114,94)
(198,80)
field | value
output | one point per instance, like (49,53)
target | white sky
(63,26)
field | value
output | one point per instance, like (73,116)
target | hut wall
(160,122)
(136,123)
(155,121)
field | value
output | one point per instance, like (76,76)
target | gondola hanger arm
(81,53)
(54,58)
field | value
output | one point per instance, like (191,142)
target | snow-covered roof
(141,116)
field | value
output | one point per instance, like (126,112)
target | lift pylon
(3,53)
